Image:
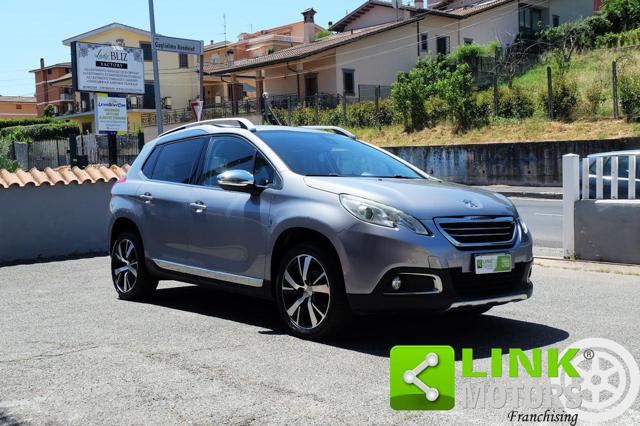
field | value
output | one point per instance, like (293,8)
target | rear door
(229,233)
(166,197)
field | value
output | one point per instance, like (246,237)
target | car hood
(421,198)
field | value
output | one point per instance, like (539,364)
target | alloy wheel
(305,291)
(124,265)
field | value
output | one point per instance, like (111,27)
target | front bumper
(452,289)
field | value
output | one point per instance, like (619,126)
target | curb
(587,266)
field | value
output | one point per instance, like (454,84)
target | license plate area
(492,263)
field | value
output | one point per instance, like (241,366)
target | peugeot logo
(471,204)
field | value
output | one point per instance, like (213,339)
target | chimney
(230,57)
(309,26)
(419,4)
(41,62)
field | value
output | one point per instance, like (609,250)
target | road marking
(548,214)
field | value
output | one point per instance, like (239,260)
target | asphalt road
(72,353)
(544,219)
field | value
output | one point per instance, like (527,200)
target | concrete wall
(526,163)
(53,221)
(607,230)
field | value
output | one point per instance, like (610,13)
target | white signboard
(111,113)
(106,68)
(178,45)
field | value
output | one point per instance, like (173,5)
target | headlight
(523,225)
(381,214)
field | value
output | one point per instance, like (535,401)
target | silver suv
(321,222)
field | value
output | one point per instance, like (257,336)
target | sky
(34,29)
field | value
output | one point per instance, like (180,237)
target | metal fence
(88,149)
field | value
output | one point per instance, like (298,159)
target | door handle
(146,197)
(198,206)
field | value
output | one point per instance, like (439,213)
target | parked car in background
(623,173)
(321,222)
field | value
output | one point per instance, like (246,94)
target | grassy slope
(591,68)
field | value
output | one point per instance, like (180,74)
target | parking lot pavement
(71,352)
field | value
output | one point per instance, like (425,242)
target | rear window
(176,161)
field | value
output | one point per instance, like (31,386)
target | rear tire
(129,273)
(310,292)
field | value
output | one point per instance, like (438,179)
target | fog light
(396,283)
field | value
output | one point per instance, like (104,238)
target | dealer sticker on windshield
(493,263)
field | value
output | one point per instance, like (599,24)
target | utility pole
(156,72)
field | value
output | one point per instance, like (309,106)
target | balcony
(68,97)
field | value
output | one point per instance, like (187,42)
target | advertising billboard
(107,68)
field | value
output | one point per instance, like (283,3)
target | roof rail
(335,129)
(242,123)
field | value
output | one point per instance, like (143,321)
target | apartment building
(17,107)
(61,98)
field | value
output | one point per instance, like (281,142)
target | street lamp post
(156,72)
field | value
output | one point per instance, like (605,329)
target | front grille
(478,231)
(470,285)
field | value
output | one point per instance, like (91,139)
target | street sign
(107,68)
(196,107)
(178,45)
(111,113)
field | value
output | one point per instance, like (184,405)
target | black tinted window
(226,153)
(326,154)
(176,161)
(147,169)
(264,174)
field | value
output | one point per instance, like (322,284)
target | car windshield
(327,154)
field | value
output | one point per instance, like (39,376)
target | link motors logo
(593,379)
(609,380)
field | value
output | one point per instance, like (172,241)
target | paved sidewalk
(548,192)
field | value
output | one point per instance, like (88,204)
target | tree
(565,40)
(624,14)
(49,111)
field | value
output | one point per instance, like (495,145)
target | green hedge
(628,38)
(37,132)
(26,122)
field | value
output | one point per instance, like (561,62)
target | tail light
(123,179)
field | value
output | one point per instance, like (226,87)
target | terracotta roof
(474,9)
(58,65)
(304,50)
(18,99)
(61,175)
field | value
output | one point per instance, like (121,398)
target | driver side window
(226,153)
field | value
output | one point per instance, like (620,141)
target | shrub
(594,97)
(623,14)
(611,40)
(49,111)
(331,117)
(35,132)
(411,91)
(565,99)
(26,122)
(630,96)
(5,162)
(361,114)
(515,103)
(304,116)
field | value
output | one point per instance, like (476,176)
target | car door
(165,198)
(229,230)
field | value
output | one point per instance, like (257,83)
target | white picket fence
(596,178)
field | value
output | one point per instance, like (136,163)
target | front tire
(130,276)
(310,292)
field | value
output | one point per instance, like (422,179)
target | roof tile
(61,175)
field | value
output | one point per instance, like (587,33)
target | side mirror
(236,180)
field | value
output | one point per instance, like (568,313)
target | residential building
(179,78)
(47,94)
(376,41)
(254,45)
(17,107)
